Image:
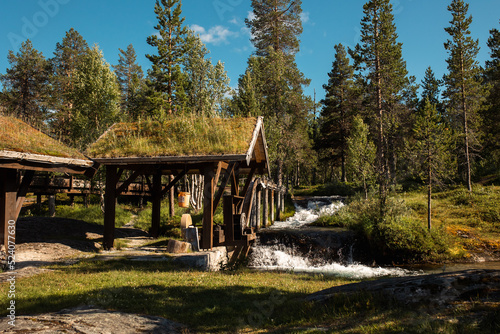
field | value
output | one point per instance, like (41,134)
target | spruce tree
(379,58)
(130,78)
(431,150)
(26,85)
(464,92)
(339,105)
(166,77)
(67,56)
(492,110)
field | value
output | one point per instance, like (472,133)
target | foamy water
(283,258)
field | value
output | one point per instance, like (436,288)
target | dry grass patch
(177,136)
(17,136)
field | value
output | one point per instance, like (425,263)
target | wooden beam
(235,188)
(8,215)
(208,207)
(249,180)
(23,190)
(109,207)
(265,210)
(173,182)
(228,214)
(156,209)
(127,182)
(225,180)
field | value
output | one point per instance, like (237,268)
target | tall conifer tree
(464,91)
(492,111)
(339,105)
(130,78)
(380,56)
(166,77)
(25,85)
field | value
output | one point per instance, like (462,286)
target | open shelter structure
(220,149)
(23,152)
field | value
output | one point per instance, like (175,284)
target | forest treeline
(377,128)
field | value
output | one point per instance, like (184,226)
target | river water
(280,257)
(285,258)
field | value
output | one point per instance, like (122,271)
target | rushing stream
(278,256)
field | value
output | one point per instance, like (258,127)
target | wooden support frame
(173,182)
(225,179)
(8,207)
(208,207)
(109,207)
(156,205)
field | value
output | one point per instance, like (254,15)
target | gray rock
(89,320)
(436,289)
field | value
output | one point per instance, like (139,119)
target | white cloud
(250,16)
(214,35)
(304,17)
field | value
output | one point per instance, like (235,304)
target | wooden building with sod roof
(24,151)
(220,149)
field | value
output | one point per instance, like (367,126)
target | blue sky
(114,24)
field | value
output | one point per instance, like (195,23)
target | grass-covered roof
(17,136)
(177,136)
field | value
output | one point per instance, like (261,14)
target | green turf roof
(17,136)
(178,136)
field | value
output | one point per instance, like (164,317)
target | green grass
(242,300)
(176,136)
(92,214)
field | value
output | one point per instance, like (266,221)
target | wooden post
(271,202)
(278,206)
(109,207)
(8,208)
(52,205)
(266,207)
(227,211)
(258,206)
(208,209)
(156,201)
(39,201)
(171,198)
(283,194)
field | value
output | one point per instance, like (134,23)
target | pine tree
(65,62)
(380,57)
(432,149)
(464,91)
(130,77)
(25,85)
(339,105)
(166,76)
(492,110)
(431,90)
(248,99)
(277,25)
(96,97)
